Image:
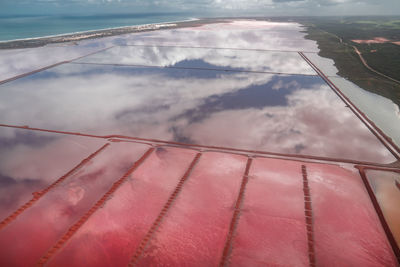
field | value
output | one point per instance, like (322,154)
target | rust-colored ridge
(382,137)
(51,66)
(74,228)
(139,251)
(309,217)
(378,168)
(231,150)
(386,228)
(190,68)
(92,53)
(235,218)
(218,48)
(26,127)
(150,141)
(31,72)
(38,195)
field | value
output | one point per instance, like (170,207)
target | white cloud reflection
(30,161)
(172,104)
(267,61)
(247,34)
(16,62)
(159,103)
(236,34)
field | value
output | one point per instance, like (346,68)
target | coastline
(93,34)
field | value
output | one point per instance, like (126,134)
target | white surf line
(139,26)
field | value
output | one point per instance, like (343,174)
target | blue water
(21,27)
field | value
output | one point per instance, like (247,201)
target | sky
(204,7)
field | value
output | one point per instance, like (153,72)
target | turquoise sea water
(21,27)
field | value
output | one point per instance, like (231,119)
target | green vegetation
(334,36)
(382,57)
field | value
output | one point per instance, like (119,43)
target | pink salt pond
(173,148)
(178,206)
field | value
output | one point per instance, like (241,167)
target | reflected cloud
(260,61)
(306,125)
(255,96)
(16,62)
(30,161)
(279,113)
(62,206)
(235,34)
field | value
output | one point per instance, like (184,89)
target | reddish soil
(376,40)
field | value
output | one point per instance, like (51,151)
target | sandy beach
(73,37)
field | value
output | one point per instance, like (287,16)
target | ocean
(33,26)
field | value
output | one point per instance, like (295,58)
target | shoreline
(96,30)
(34,42)
(94,34)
